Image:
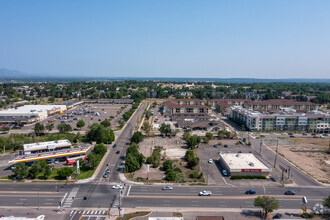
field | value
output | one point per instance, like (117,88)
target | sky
(171,38)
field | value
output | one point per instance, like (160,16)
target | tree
(268,204)
(100,134)
(64,172)
(193,141)
(165,129)
(48,172)
(134,159)
(80,124)
(50,127)
(209,135)
(92,160)
(171,175)
(326,202)
(21,170)
(167,165)
(186,135)
(39,129)
(137,137)
(206,140)
(64,128)
(146,127)
(106,123)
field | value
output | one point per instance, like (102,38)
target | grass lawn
(133,215)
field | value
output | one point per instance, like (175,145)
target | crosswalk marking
(70,198)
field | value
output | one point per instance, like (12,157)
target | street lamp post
(260,147)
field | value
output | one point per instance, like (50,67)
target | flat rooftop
(29,109)
(239,161)
(46,145)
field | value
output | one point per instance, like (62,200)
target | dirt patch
(313,162)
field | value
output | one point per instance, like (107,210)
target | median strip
(208,197)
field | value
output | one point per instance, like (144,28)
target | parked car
(302,134)
(117,187)
(224,172)
(210,161)
(105,175)
(117,152)
(291,136)
(226,146)
(205,193)
(167,188)
(250,191)
(290,192)
(262,135)
(114,146)
(215,145)
(277,216)
(313,134)
(284,133)
(290,133)
(241,142)
(325,134)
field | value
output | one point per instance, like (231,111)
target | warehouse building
(28,114)
(244,164)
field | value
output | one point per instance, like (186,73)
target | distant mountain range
(18,76)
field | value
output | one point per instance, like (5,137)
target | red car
(313,134)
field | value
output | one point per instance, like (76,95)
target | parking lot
(213,171)
(89,113)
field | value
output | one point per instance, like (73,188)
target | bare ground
(315,164)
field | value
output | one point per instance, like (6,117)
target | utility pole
(276,153)
(260,147)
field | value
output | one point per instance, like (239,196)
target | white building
(29,113)
(244,164)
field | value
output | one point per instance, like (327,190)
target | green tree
(64,172)
(50,127)
(48,172)
(165,129)
(209,135)
(167,165)
(137,137)
(106,123)
(191,158)
(171,175)
(21,170)
(268,204)
(206,140)
(100,134)
(80,124)
(326,202)
(134,159)
(186,135)
(64,128)
(39,129)
(92,160)
(193,141)
(146,127)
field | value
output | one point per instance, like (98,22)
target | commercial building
(186,106)
(29,113)
(288,119)
(244,164)
(60,149)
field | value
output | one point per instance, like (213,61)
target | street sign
(283,169)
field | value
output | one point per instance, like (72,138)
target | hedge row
(237,177)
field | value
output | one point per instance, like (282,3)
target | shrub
(64,172)
(177,169)
(170,175)
(194,174)
(167,164)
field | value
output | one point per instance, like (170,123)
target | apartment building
(312,121)
(188,106)
(236,102)
(279,104)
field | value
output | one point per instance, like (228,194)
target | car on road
(290,192)
(224,172)
(284,133)
(210,161)
(291,136)
(167,188)
(250,191)
(262,135)
(277,216)
(313,134)
(114,146)
(325,134)
(117,152)
(290,133)
(105,175)
(117,187)
(205,193)
(215,145)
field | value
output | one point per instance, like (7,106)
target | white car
(117,187)
(284,133)
(205,193)
(210,161)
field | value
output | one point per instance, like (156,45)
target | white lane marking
(264,189)
(47,203)
(19,203)
(129,189)
(92,212)
(22,199)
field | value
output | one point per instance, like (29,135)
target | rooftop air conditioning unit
(251,164)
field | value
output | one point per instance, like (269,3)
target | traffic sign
(283,169)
